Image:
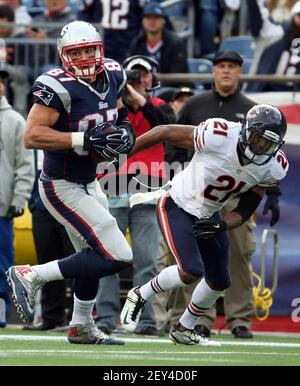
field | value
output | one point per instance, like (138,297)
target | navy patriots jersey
(81,106)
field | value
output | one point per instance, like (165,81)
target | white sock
(49,271)
(203,298)
(82,311)
(168,279)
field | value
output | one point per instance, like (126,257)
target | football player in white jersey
(231,159)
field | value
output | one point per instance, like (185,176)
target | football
(96,156)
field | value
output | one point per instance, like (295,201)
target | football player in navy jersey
(77,111)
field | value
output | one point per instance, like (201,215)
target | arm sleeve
(158,115)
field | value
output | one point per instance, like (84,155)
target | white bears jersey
(215,174)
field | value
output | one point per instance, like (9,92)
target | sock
(203,297)
(168,279)
(49,271)
(82,311)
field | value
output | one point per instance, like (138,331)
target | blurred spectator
(21,14)
(159,43)
(229,19)
(145,112)
(121,23)
(13,55)
(51,243)
(280,9)
(277,46)
(208,17)
(56,11)
(90,11)
(17,176)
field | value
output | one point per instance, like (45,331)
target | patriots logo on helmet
(44,95)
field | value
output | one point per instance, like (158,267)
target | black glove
(207,227)
(107,140)
(272,204)
(14,211)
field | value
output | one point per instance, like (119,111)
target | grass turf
(19,347)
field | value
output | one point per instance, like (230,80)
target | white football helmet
(80,34)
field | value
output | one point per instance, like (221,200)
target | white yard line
(138,352)
(148,340)
(56,338)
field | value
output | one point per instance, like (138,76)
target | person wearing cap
(277,46)
(226,100)
(17,176)
(144,112)
(160,43)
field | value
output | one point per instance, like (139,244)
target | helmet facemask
(84,68)
(258,146)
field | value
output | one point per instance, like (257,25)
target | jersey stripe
(199,137)
(164,223)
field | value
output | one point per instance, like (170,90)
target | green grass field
(19,347)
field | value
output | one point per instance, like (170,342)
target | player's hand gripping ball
(105,142)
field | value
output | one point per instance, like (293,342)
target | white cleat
(24,283)
(190,337)
(90,334)
(132,310)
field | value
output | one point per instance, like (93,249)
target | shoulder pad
(212,134)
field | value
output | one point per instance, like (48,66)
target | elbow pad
(249,201)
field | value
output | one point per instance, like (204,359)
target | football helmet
(78,35)
(262,133)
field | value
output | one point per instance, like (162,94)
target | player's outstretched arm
(39,133)
(248,203)
(179,135)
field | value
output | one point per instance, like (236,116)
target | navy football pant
(207,257)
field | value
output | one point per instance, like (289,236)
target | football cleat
(24,283)
(190,337)
(132,310)
(90,334)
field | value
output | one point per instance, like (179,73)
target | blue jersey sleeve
(45,95)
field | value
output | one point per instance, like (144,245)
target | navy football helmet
(262,133)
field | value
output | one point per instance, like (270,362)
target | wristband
(77,139)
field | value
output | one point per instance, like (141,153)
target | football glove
(107,140)
(14,211)
(207,227)
(272,204)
